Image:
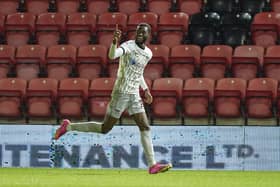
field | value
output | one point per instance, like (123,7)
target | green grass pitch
(41,177)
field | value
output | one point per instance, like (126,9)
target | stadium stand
(37,6)
(11,6)
(7,57)
(271,62)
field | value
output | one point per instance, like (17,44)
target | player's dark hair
(145,25)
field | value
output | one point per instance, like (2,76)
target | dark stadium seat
(40,102)
(12,94)
(9,6)
(50,28)
(68,6)
(184,61)
(229,98)
(60,61)
(19,28)
(264,29)
(271,63)
(72,98)
(220,6)
(159,6)
(7,57)
(196,101)
(99,96)
(140,17)
(247,61)
(91,61)
(37,6)
(172,28)
(167,94)
(98,6)
(81,28)
(29,60)
(215,61)
(260,97)
(128,7)
(253,6)
(106,25)
(190,6)
(159,62)
(275,5)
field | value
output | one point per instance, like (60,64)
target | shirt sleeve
(143,83)
(116,52)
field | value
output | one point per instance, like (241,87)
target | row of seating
(182,61)
(197,98)
(132,6)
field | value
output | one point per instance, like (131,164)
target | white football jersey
(131,67)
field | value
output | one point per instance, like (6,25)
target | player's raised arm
(115,52)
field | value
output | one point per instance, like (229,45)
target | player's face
(142,34)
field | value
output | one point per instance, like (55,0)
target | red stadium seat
(275,5)
(228,99)
(98,6)
(50,27)
(215,61)
(190,6)
(72,98)
(7,56)
(140,17)
(247,61)
(8,6)
(172,28)
(12,93)
(99,96)
(128,7)
(80,28)
(167,94)
(60,61)
(184,60)
(37,6)
(91,60)
(67,6)
(159,6)
(264,28)
(271,63)
(159,62)
(41,100)
(106,25)
(19,28)
(28,61)
(196,99)
(260,97)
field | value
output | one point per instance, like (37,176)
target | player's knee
(144,127)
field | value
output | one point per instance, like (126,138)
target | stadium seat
(215,61)
(184,61)
(72,98)
(167,94)
(229,96)
(60,61)
(37,6)
(159,62)
(172,28)
(98,6)
(99,96)
(2,28)
(247,61)
(190,6)
(275,5)
(7,56)
(128,7)
(12,94)
(253,6)
(50,28)
(68,6)
(140,17)
(196,101)
(19,28)
(29,60)
(264,29)
(220,6)
(260,99)
(40,102)
(91,61)
(106,25)
(81,28)
(159,6)
(271,63)
(9,6)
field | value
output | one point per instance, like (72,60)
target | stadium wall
(187,147)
